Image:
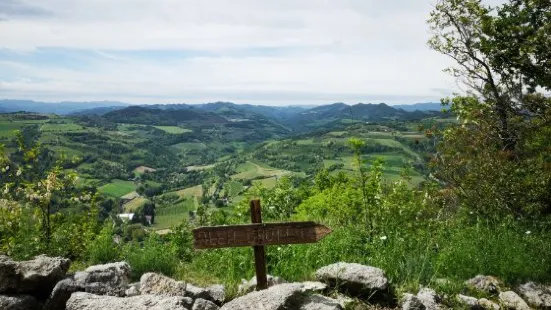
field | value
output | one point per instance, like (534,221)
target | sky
(244,51)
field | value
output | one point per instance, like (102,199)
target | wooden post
(259,253)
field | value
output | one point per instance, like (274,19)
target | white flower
(528,232)
(7,168)
(279,248)
(383,238)
(18,173)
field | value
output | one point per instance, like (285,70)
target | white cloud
(244,50)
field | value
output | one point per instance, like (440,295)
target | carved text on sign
(258,234)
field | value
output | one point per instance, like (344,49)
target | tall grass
(456,250)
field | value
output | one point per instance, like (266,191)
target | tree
(502,54)
(496,158)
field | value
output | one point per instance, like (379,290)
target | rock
(61,293)
(9,277)
(203,304)
(36,277)
(217,293)
(536,295)
(157,284)
(132,290)
(109,279)
(510,300)
(314,286)
(278,297)
(344,300)
(468,301)
(319,302)
(195,292)
(411,302)
(429,299)
(19,302)
(249,286)
(485,283)
(86,301)
(488,304)
(356,279)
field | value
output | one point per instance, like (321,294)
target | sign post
(258,235)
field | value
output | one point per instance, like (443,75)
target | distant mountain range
(102,107)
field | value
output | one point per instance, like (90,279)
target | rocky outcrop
(510,300)
(19,302)
(411,302)
(216,293)
(86,301)
(35,277)
(320,302)
(109,279)
(468,301)
(157,284)
(355,279)
(278,297)
(536,295)
(483,283)
(488,304)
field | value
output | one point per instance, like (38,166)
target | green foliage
(152,255)
(103,249)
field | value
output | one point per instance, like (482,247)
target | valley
(184,157)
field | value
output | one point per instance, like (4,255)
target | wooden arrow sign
(258,234)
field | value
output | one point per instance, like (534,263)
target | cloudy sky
(244,51)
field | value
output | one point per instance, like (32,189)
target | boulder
(429,298)
(36,277)
(510,300)
(468,301)
(109,279)
(249,286)
(536,295)
(157,284)
(355,279)
(278,297)
(411,302)
(195,292)
(487,284)
(217,293)
(18,302)
(86,301)
(319,302)
(203,304)
(487,304)
(344,301)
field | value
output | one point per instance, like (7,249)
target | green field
(173,129)
(64,127)
(117,188)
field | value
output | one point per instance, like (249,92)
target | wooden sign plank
(258,234)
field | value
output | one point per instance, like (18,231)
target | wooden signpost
(258,235)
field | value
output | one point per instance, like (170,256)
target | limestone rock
(485,283)
(132,290)
(203,304)
(195,292)
(157,284)
(217,293)
(411,302)
(61,293)
(468,301)
(109,279)
(429,299)
(9,277)
(488,304)
(356,279)
(510,300)
(344,300)
(86,301)
(19,302)
(37,276)
(536,295)
(314,286)
(319,302)
(278,297)
(249,286)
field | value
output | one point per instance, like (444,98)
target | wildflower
(18,173)
(7,168)
(383,238)
(279,248)
(528,232)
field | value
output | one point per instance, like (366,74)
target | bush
(104,249)
(152,256)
